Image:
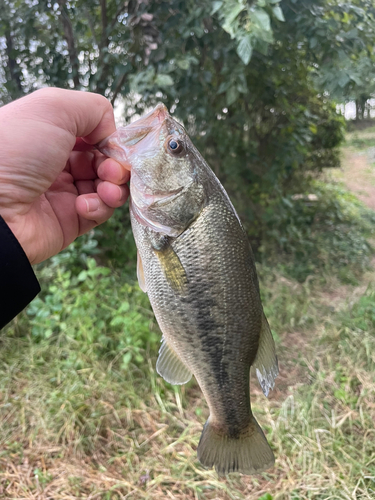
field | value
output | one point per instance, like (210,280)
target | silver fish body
(197,267)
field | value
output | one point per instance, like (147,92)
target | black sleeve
(18,283)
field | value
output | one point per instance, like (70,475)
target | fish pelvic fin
(265,363)
(170,366)
(249,453)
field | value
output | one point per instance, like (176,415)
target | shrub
(99,310)
(312,234)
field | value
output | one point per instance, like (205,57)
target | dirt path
(357,172)
(359,175)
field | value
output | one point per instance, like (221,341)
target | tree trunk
(118,87)
(69,37)
(103,11)
(103,66)
(13,67)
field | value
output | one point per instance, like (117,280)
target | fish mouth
(121,144)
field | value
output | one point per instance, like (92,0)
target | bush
(326,228)
(91,311)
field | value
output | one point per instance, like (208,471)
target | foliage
(116,242)
(240,75)
(315,232)
(112,47)
(248,23)
(79,44)
(339,43)
(96,309)
(259,126)
(102,45)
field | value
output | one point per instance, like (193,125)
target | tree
(241,75)
(260,125)
(80,44)
(340,47)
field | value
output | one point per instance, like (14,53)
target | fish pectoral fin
(265,363)
(172,268)
(141,274)
(170,366)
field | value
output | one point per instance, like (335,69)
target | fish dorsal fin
(172,268)
(141,274)
(265,363)
(170,366)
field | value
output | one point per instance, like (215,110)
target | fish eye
(174,146)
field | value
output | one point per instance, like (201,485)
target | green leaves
(99,310)
(229,24)
(215,7)
(248,24)
(245,49)
(231,95)
(341,38)
(278,13)
(185,61)
(261,19)
(266,496)
(163,80)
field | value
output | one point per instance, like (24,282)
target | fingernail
(119,193)
(92,204)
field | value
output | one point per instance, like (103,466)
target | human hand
(53,186)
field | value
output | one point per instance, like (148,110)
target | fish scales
(202,331)
(197,267)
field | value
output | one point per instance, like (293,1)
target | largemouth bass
(197,267)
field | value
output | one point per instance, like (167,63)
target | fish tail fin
(250,453)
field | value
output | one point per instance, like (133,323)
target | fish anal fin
(141,274)
(248,453)
(172,268)
(170,366)
(265,364)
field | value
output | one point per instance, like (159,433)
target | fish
(196,264)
